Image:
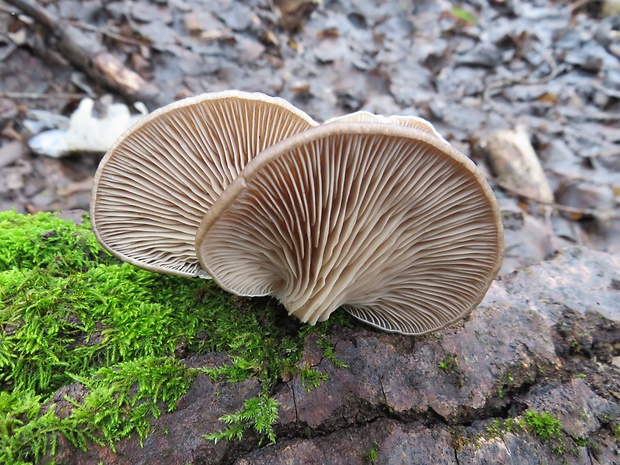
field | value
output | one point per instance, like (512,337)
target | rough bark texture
(543,340)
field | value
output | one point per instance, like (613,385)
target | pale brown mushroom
(387,221)
(155,184)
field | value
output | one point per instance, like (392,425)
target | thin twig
(35,12)
(560,207)
(489,91)
(578,5)
(600,116)
(110,34)
(606,91)
(89,55)
(46,96)
(10,48)
(6,10)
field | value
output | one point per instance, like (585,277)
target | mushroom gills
(159,179)
(387,221)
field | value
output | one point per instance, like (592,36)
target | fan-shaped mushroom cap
(155,184)
(387,221)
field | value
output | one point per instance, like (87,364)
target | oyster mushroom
(386,220)
(160,177)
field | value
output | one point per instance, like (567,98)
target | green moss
(46,241)
(449,364)
(69,312)
(543,425)
(373,454)
(328,350)
(115,409)
(581,442)
(110,410)
(312,378)
(57,325)
(500,426)
(259,413)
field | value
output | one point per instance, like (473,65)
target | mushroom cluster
(378,215)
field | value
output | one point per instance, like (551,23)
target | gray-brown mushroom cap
(387,221)
(155,184)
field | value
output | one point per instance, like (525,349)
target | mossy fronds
(72,315)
